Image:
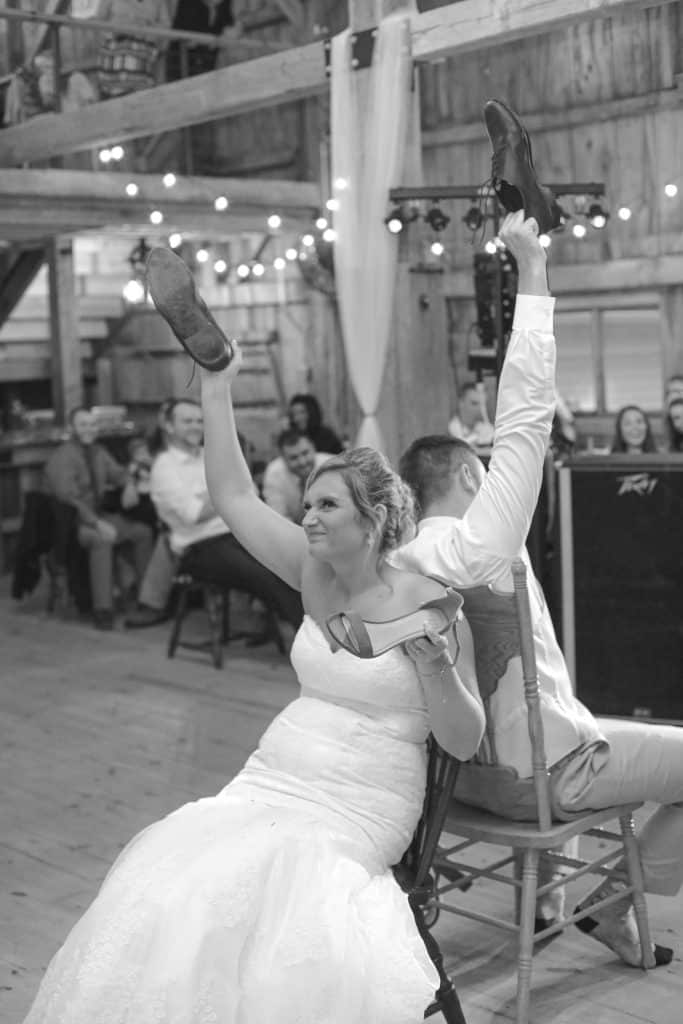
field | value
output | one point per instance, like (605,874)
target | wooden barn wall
(603,102)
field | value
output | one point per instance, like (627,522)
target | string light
(340,184)
(243,271)
(202,255)
(274,221)
(307,240)
(491,248)
(220,203)
(105,156)
(332,205)
(330,235)
(258,270)
(279,263)
(175,240)
(437,249)
(156,217)
(132,189)
(134,291)
(670,190)
(624,213)
(579,231)
(117,152)
(169,180)
(321,223)
(291,254)
(545,240)
(220,266)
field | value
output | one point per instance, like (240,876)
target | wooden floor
(101,734)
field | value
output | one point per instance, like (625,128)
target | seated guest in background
(284,479)
(632,432)
(138,504)
(674,389)
(305,415)
(80,472)
(209,16)
(198,535)
(674,424)
(471,423)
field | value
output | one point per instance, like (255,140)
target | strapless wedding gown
(274,901)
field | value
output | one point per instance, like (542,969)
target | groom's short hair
(427,466)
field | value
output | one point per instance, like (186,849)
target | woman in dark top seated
(305,415)
(674,425)
(632,432)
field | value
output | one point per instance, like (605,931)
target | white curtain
(369,121)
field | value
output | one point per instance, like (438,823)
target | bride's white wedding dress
(272,902)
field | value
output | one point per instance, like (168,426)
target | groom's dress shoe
(512,168)
(175,295)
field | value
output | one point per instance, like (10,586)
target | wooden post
(65,342)
(415,396)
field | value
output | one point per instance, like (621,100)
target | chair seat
(474,823)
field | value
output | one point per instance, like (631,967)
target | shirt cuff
(534,313)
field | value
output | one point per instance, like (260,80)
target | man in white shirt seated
(471,423)
(284,479)
(200,537)
(473,525)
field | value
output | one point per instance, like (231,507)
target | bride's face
(332,522)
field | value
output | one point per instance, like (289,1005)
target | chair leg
(226,616)
(446,996)
(525,949)
(181,607)
(635,875)
(517,875)
(214,606)
(273,626)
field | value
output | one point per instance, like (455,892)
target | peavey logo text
(636,483)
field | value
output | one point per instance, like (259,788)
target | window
(607,358)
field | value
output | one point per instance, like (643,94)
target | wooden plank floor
(101,735)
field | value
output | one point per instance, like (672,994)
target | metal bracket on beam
(362,49)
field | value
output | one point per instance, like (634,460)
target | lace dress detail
(274,899)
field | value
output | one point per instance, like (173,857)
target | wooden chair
(216,601)
(502,629)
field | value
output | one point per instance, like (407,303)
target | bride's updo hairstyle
(371,482)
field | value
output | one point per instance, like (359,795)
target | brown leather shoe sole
(175,296)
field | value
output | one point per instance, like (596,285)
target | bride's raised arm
(275,541)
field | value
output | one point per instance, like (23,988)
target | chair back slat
(501,628)
(532,694)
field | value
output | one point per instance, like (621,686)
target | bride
(274,900)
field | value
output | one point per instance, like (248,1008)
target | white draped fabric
(369,121)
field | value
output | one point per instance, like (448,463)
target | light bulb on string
(258,270)
(202,255)
(133,291)
(579,231)
(117,152)
(332,205)
(274,221)
(105,156)
(175,240)
(545,240)
(340,184)
(279,263)
(169,180)
(220,203)
(624,213)
(291,254)
(156,217)
(220,266)
(437,248)
(491,248)
(307,240)
(321,223)
(670,190)
(329,235)
(243,271)
(132,189)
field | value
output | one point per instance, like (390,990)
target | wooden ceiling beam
(289,75)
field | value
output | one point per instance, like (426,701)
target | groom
(473,525)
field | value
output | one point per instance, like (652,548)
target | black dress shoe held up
(175,295)
(512,168)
